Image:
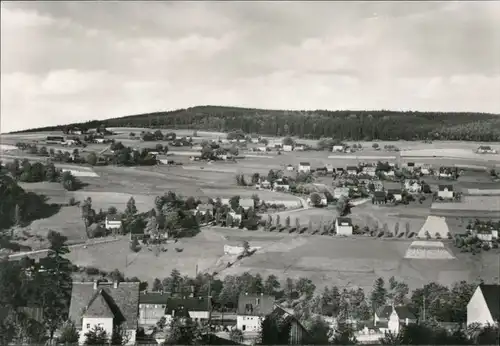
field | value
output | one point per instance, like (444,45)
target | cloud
(74,61)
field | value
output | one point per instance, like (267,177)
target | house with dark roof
(394,316)
(484,305)
(106,305)
(379,197)
(252,309)
(113,222)
(397,194)
(304,167)
(152,307)
(445,191)
(298,333)
(196,308)
(352,170)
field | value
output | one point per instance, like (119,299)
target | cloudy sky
(64,62)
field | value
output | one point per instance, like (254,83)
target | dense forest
(344,125)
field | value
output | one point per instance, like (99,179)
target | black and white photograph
(249,172)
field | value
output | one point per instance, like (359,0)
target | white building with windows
(252,309)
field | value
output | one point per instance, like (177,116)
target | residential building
(395,317)
(485,233)
(397,193)
(445,191)
(338,148)
(369,170)
(343,226)
(113,222)
(252,309)
(290,168)
(378,185)
(486,149)
(152,307)
(281,186)
(352,170)
(447,172)
(410,166)
(329,168)
(412,186)
(106,305)
(484,306)
(379,197)
(339,192)
(197,308)
(287,148)
(298,332)
(236,217)
(264,184)
(262,148)
(205,208)
(299,147)
(304,167)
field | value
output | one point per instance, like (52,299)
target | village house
(152,307)
(262,148)
(298,332)
(369,170)
(412,186)
(379,197)
(352,170)
(329,168)
(339,192)
(484,306)
(299,147)
(290,168)
(338,148)
(287,148)
(246,203)
(236,217)
(205,208)
(486,149)
(378,185)
(281,186)
(113,222)
(395,317)
(304,167)
(410,166)
(396,193)
(447,172)
(425,169)
(197,308)
(106,305)
(343,226)
(252,309)
(445,191)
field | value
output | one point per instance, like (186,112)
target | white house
(299,147)
(252,309)
(339,192)
(397,193)
(262,148)
(338,148)
(445,191)
(279,186)
(389,173)
(486,149)
(287,148)
(304,167)
(343,226)
(290,168)
(352,170)
(395,317)
(152,307)
(105,305)
(484,305)
(412,186)
(197,147)
(369,170)
(197,308)
(329,168)
(113,222)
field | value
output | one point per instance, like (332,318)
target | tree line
(345,124)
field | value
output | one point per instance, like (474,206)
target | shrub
(134,245)
(92,271)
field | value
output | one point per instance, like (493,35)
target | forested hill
(353,125)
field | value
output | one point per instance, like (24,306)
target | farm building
(152,307)
(445,191)
(410,166)
(343,226)
(252,309)
(104,304)
(297,331)
(113,222)
(484,306)
(304,167)
(197,308)
(329,168)
(369,170)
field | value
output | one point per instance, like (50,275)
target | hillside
(346,125)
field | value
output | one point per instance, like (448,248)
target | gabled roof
(379,195)
(352,168)
(190,304)
(443,187)
(384,311)
(394,191)
(491,294)
(255,305)
(123,301)
(154,298)
(304,164)
(404,313)
(116,217)
(98,307)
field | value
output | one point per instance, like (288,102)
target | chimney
(115,284)
(95,284)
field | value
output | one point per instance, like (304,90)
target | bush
(134,245)
(92,271)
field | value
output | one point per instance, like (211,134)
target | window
(243,327)
(88,325)
(257,301)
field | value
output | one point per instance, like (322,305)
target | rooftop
(255,305)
